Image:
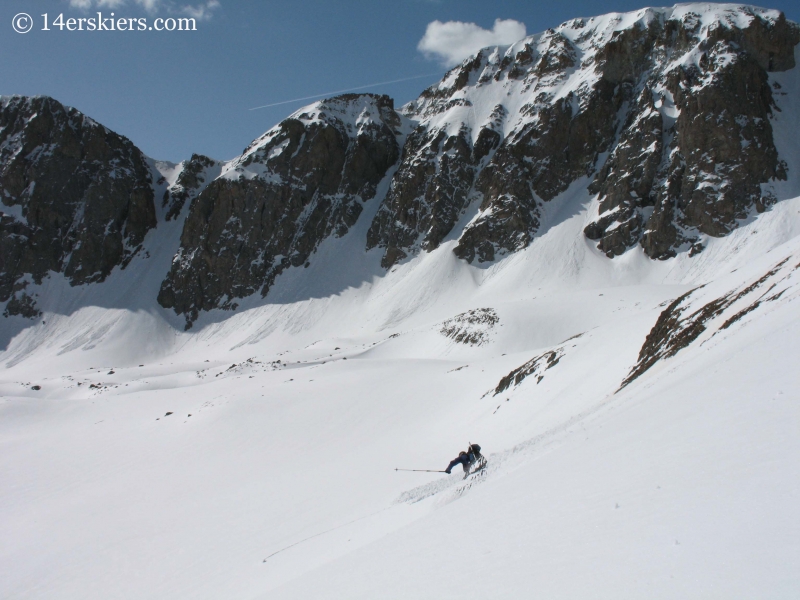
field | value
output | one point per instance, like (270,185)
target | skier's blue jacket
(465,459)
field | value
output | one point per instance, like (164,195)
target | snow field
(105,496)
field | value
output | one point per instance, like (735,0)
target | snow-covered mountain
(581,251)
(664,116)
(664,113)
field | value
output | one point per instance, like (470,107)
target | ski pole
(421,470)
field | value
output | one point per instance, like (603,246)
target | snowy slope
(273,475)
(292,461)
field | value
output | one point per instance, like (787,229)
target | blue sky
(175,93)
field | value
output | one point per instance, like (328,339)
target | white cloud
(452,42)
(201,11)
(87,4)
(151,6)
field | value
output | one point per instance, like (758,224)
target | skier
(466,459)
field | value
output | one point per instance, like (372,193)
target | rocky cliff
(304,180)
(76,198)
(660,118)
(665,112)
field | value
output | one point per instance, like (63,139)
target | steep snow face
(666,111)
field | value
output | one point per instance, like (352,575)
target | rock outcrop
(76,198)
(304,180)
(427,194)
(697,144)
(195,174)
(666,112)
(686,318)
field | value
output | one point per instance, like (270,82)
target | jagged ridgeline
(664,112)
(660,117)
(301,182)
(76,198)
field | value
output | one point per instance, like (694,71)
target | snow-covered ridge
(514,127)
(577,41)
(29,101)
(354,115)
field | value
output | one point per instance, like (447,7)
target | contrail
(361,87)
